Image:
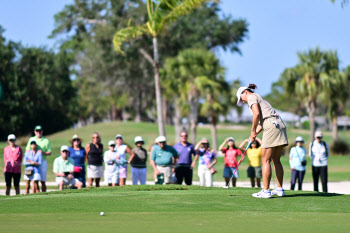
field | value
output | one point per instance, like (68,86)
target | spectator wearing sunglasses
(78,154)
(43,144)
(319,152)
(207,159)
(184,164)
(13,156)
(94,152)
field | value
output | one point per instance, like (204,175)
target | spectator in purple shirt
(184,167)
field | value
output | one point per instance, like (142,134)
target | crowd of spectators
(171,164)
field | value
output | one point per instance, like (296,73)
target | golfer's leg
(276,159)
(266,159)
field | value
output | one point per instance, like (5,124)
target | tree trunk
(177,121)
(335,128)
(114,112)
(213,133)
(193,117)
(312,110)
(138,107)
(161,126)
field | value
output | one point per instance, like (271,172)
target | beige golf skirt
(273,136)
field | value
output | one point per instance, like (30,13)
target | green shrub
(340,147)
(306,125)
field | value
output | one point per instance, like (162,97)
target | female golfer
(274,137)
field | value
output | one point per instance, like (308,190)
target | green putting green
(173,209)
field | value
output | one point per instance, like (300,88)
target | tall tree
(160,13)
(309,78)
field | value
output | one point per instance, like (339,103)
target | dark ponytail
(252,86)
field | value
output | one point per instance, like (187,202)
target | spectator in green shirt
(63,168)
(163,158)
(43,144)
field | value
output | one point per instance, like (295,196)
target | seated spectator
(163,159)
(78,154)
(207,159)
(13,156)
(138,163)
(63,167)
(111,172)
(32,161)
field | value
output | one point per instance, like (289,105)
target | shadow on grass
(315,194)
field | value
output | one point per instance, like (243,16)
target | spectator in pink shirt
(13,156)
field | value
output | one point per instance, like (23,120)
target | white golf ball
(102,213)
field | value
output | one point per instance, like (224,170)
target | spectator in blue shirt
(32,160)
(163,159)
(78,154)
(184,167)
(296,157)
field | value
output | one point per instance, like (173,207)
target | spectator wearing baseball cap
(63,167)
(319,152)
(163,159)
(78,154)
(32,160)
(297,163)
(138,162)
(122,150)
(43,144)
(13,156)
(111,158)
(231,153)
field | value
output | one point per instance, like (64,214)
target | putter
(239,162)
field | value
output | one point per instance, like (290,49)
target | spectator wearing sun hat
(231,153)
(319,152)
(13,156)
(111,158)
(297,157)
(43,144)
(138,162)
(32,160)
(78,153)
(163,159)
(63,167)
(122,150)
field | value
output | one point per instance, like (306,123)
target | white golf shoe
(262,194)
(278,192)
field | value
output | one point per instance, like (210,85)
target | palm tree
(217,96)
(309,78)
(160,13)
(193,69)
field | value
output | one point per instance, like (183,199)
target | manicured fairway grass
(173,209)
(339,166)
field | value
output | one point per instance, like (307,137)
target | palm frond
(181,9)
(126,34)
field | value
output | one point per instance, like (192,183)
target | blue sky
(277,31)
